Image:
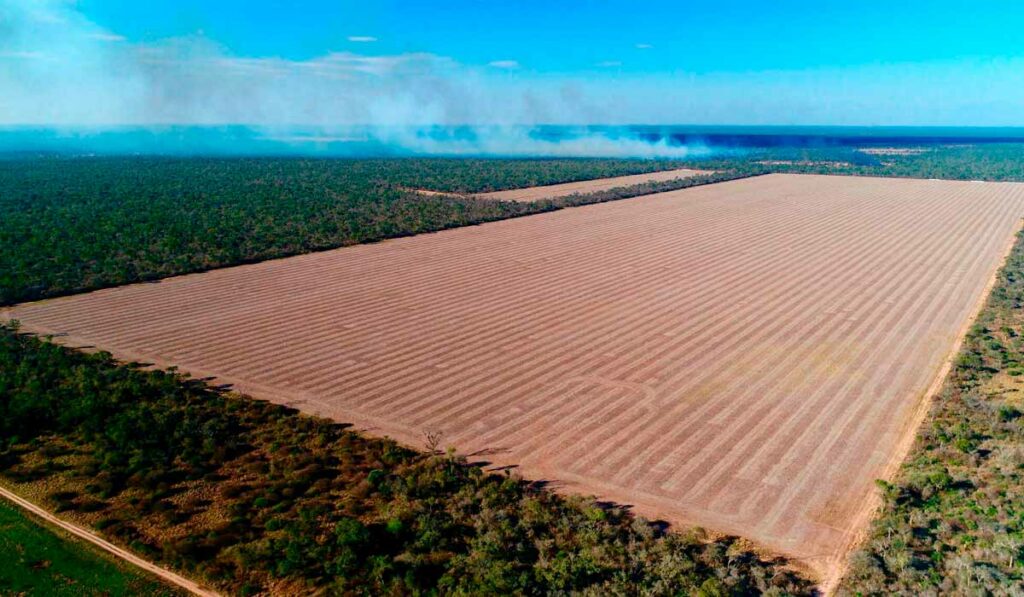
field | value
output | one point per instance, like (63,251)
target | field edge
(909,438)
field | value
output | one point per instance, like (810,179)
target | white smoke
(58,69)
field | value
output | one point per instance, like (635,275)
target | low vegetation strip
(38,561)
(989,162)
(578,195)
(952,522)
(252,497)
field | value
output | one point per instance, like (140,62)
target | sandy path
(107,546)
(748,356)
(585,186)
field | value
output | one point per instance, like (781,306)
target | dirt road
(77,531)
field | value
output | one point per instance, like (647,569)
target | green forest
(992,162)
(251,496)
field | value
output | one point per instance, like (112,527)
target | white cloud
(505,64)
(644,46)
(362,39)
(375,65)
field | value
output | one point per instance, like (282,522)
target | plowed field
(587,186)
(747,356)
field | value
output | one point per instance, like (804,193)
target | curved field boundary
(746,356)
(77,531)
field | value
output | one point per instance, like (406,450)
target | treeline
(76,224)
(996,162)
(469,175)
(953,520)
(993,162)
(253,497)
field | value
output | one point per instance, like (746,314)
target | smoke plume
(59,70)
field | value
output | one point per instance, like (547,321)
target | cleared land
(746,356)
(585,186)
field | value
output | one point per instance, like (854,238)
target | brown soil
(893,150)
(427,193)
(748,356)
(586,186)
(831,164)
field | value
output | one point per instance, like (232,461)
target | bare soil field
(893,150)
(831,164)
(587,186)
(747,356)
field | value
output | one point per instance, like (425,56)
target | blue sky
(502,62)
(569,36)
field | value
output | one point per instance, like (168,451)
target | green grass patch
(38,561)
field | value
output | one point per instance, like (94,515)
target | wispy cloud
(41,13)
(22,55)
(505,64)
(362,39)
(644,46)
(376,65)
(112,37)
(55,71)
